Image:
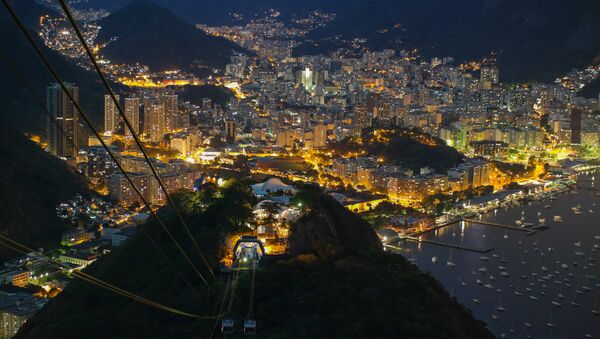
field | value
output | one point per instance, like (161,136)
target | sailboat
(550,323)
(450,263)
(499,308)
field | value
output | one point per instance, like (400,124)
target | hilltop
(144,32)
(534,40)
(335,288)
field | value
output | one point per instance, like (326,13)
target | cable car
(250,326)
(227,326)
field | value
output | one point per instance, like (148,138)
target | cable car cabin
(227,326)
(250,326)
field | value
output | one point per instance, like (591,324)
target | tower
(63,141)
(111,118)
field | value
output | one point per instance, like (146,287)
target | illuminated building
(111,115)
(489,76)
(306,79)
(18,277)
(155,121)
(16,308)
(62,142)
(132,113)
(171,114)
(320,136)
(576,118)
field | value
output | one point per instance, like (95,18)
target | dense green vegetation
(409,148)
(32,184)
(336,290)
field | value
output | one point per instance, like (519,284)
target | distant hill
(153,35)
(17,108)
(32,184)
(220,12)
(591,90)
(535,40)
(344,288)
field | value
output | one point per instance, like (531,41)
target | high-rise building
(230,132)
(320,136)
(306,78)
(171,111)
(111,115)
(62,139)
(576,118)
(132,113)
(155,118)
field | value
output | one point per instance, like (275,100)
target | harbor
(539,278)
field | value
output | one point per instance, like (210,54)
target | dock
(458,247)
(493,224)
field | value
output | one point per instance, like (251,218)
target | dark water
(546,250)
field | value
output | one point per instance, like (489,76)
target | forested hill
(334,289)
(32,184)
(153,35)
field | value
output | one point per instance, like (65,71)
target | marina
(529,281)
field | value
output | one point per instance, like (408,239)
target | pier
(458,247)
(493,224)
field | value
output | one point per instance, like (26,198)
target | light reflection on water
(534,265)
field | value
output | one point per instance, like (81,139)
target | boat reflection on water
(538,282)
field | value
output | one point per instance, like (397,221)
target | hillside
(17,108)
(153,35)
(334,290)
(32,184)
(535,40)
(591,90)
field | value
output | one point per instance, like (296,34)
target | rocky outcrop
(331,225)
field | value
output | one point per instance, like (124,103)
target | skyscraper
(132,112)
(230,130)
(171,111)
(576,117)
(63,141)
(155,117)
(306,78)
(320,136)
(111,115)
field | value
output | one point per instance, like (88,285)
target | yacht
(557,218)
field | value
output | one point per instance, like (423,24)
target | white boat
(578,244)
(434,260)
(484,258)
(482,269)
(556,303)
(476,301)
(557,218)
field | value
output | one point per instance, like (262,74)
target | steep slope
(17,108)
(535,40)
(147,33)
(336,289)
(32,184)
